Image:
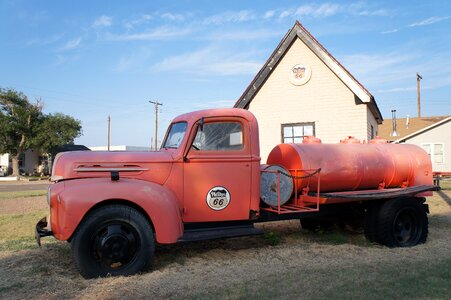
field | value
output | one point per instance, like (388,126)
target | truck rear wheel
(113,240)
(402,222)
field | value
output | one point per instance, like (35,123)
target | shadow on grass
(444,196)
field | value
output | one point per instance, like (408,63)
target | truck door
(217,172)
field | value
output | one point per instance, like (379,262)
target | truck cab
(218,154)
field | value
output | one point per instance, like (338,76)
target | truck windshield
(175,136)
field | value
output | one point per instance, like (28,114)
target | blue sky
(91,58)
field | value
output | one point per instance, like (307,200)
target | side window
(220,136)
(435,152)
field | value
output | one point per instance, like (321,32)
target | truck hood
(149,166)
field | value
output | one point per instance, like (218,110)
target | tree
(56,130)
(23,126)
(17,118)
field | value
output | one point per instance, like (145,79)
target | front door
(217,172)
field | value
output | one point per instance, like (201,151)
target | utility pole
(156,121)
(109,121)
(419,94)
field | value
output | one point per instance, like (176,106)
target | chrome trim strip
(100,169)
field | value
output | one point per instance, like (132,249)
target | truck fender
(80,196)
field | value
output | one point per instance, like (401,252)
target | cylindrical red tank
(351,166)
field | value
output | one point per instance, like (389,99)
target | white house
(303,90)
(28,162)
(436,140)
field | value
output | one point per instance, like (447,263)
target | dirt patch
(22,205)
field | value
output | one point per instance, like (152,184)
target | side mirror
(201,124)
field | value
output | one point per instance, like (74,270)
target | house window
(372,132)
(436,152)
(295,133)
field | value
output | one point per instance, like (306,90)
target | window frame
(246,139)
(431,154)
(303,124)
(166,137)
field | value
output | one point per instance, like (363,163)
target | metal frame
(297,204)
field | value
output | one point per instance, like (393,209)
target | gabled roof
(416,126)
(299,31)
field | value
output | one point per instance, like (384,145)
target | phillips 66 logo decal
(218,198)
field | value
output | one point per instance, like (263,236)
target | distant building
(119,148)
(29,162)
(302,90)
(433,134)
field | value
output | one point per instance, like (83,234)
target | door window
(220,136)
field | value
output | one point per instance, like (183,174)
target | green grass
(272,238)
(403,280)
(11,287)
(445,184)
(21,194)
(17,231)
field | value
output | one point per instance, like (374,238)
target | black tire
(113,240)
(315,225)
(402,222)
(371,219)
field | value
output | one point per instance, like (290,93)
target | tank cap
(350,140)
(310,139)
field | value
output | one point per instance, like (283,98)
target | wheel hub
(406,227)
(115,245)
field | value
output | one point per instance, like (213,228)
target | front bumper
(42,230)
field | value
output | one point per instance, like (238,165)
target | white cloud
(160,33)
(246,35)
(398,89)
(44,41)
(269,14)
(323,10)
(329,9)
(141,19)
(231,17)
(173,17)
(390,31)
(103,21)
(70,45)
(377,12)
(210,61)
(429,21)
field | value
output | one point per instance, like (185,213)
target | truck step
(219,232)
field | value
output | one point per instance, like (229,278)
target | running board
(218,233)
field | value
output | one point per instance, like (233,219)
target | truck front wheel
(113,240)
(402,222)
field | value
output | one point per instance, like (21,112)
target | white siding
(324,100)
(4,160)
(438,135)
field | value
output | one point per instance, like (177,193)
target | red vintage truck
(207,182)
